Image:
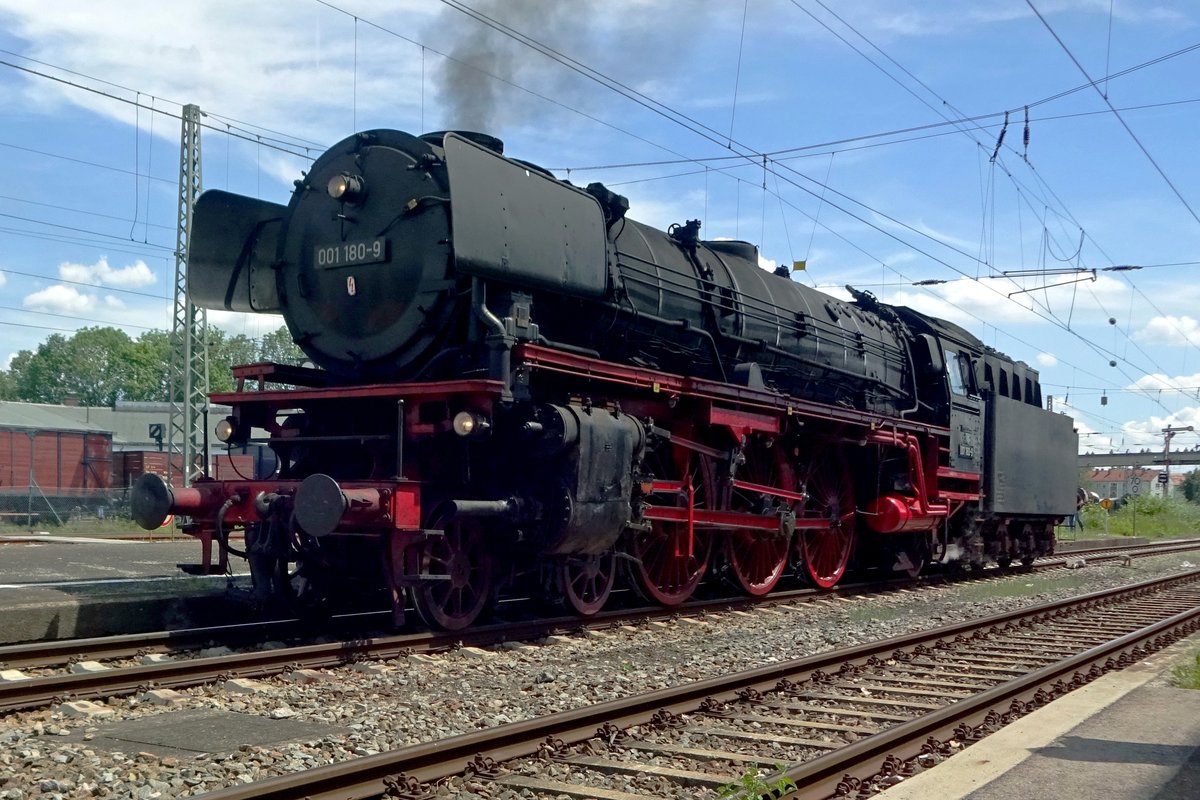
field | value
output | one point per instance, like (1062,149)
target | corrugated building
(86,447)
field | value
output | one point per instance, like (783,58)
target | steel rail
(370,776)
(126,645)
(40,691)
(57,652)
(861,760)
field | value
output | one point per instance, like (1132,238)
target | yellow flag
(799,266)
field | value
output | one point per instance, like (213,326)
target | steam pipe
(680,324)
(910,444)
(483,508)
(479,304)
(498,340)
(222,534)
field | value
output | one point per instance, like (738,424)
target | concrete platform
(54,587)
(32,558)
(1128,735)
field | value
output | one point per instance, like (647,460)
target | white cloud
(928,230)
(1046,360)
(908,20)
(1182,331)
(1157,382)
(306,63)
(1151,430)
(115,303)
(135,275)
(60,299)
(252,325)
(1131,435)
(661,213)
(969,302)
(3,279)
(835,290)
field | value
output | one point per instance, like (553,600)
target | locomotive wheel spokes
(825,550)
(585,582)
(459,576)
(758,558)
(661,568)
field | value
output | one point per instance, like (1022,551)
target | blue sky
(871,175)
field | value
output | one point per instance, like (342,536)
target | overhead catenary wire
(81,230)
(1067,327)
(1088,343)
(86,212)
(737,74)
(84,240)
(257,139)
(655,106)
(836,145)
(161,111)
(1025,109)
(777,178)
(1162,173)
(110,322)
(105,287)
(1000,139)
(501,79)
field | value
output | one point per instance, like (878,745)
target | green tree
(18,370)
(147,368)
(100,366)
(1191,486)
(91,367)
(278,346)
(226,352)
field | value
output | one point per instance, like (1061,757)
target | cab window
(958,370)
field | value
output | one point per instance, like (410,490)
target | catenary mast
(188,365)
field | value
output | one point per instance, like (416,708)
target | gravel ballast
(373,707)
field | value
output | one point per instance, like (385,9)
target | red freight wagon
(233,467)
(129,465)
(58,462)
(136,463)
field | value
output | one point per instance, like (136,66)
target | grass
(1187,676)
(751,786)
(1142,516)
(1032,585)
(113,527)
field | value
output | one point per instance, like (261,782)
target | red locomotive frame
(766,516)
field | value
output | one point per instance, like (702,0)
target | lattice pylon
(188,365)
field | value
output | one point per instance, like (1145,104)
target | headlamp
(346,188)
(467,423)
(225,429)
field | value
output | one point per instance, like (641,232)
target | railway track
(839,724)
(187,662)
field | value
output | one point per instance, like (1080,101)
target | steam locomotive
(517,388)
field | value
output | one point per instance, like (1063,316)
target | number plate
(350,254)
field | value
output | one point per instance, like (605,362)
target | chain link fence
(35,505)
